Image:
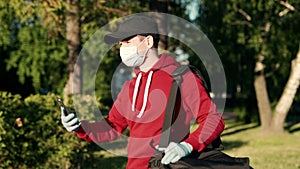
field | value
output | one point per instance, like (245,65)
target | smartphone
(61,103)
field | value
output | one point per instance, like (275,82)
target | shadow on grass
(106,163)
(294,130)
(239,128)
(293,122)
(99,158)
(235,125)
(293,127)
(233,129)
(233,144)
(112,162)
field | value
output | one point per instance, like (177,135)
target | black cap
(134,25)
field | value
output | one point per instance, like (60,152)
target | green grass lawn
(264,151)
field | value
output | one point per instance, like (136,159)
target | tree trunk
(264,108)
(161,6)
(73,35)
(287,97)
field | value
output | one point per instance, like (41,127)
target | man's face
(137,40)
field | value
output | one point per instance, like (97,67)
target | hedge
(32,136)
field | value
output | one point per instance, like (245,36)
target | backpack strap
(182,69)
(200,76)
(178,72)
(169,116)
(170,110)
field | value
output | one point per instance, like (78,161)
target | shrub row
(32,136)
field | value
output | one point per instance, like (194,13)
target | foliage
(31,134)
(241,31)
(37,53)
(33,40)
(33,45)
(40,58)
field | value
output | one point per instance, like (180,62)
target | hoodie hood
(165,63)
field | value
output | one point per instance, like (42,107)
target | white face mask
(130,56)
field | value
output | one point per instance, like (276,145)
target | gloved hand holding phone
(68,118)
(70,121)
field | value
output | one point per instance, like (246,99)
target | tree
(32,50)
(160,6)
(73,36)
(273,121)
(265,36)
(286,99)
(39,40)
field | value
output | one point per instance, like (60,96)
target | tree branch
(288,6)
(245,14)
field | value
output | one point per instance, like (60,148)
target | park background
(40,40)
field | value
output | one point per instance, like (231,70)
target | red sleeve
(108,129)
(197,101)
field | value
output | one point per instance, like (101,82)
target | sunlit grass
(265,151)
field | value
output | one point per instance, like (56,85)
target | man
(141,104)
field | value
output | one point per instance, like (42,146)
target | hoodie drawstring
(136,88)
(146,93)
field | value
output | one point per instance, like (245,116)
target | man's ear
(150,41)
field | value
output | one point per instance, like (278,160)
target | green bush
(32,136)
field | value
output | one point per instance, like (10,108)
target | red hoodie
(141,106)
